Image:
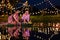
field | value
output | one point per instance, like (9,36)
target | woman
(26,16)
(16,17)
(13,19)
(10,19)
(26,34)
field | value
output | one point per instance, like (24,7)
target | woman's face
(17,11)
(27,12)
(24,29)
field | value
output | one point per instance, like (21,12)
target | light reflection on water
(40,28)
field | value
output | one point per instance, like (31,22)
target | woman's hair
(9,14)
(26,10)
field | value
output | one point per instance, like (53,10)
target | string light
(37,36)
(34,5)
(9,13)
(33,13)
(48,12)
(2,11)
(36,12)
(39,3)
(52,5)
(42,2)
(2,15)
(19,7)
(34,35)
(20,14)
(46,1)
(6,12)
(29,5)
(17,1)
(13,8)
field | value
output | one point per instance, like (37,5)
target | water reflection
(14,30)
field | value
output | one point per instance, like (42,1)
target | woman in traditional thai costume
(26,16)
(26,34)
(13,19)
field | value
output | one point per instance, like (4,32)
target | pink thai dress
(10,19)
(16,17)
(26,33)
(26,17)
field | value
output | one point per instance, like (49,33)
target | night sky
(43,5)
